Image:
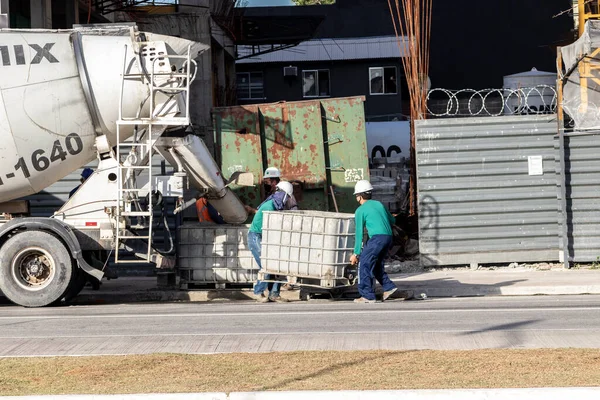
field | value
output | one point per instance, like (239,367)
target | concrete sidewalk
(449,282)
(502,281)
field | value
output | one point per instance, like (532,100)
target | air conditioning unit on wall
(290,71)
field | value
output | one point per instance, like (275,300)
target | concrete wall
(41,14)
(216,68)
(194,27)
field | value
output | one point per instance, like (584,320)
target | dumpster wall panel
(318,145)
(294,144)
(239,147)
(487,190)
(346,143)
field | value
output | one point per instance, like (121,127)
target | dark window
(315,83)
(250,85)
(19,12)
(382,80)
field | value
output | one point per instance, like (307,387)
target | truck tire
(35,269)
(79,279)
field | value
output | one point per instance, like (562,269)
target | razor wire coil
(539,99)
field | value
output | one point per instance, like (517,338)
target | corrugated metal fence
(487,190)
(582,175)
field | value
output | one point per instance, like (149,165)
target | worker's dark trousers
(371,266)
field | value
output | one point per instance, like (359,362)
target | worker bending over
(377,220)
(271,179)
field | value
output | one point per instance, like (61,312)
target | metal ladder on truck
(135,155)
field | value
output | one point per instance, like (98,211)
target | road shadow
(512,336)
(327,370)
(450,287)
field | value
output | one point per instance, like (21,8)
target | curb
(155,296)
(463,394)
(404,293)
(174,296)
(478,291)
(448,285)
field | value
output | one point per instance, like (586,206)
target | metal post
(581,11)
(563,175)
(334,200)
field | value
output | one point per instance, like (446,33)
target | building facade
(474,43)
(323,68)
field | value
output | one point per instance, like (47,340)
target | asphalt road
(464,323)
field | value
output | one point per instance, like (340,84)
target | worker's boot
(364,301)
(261,298)
(278,299)
(389,293)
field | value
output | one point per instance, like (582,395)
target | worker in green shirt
(373,217)
(276,202)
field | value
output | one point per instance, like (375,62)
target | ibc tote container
(215,254)
(309,245)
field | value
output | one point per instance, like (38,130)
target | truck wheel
(35,269)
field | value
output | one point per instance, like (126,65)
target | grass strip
(357,370)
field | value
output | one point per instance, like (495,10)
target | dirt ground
(365,370)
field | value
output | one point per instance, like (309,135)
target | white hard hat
(363,186)
(286,187)
(272,172)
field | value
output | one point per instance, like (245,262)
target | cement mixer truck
(110,93)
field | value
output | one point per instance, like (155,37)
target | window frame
(317,83)
(249,75)
(382,68)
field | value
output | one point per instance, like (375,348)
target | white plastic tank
(530,92)
(210,253)
(307,244)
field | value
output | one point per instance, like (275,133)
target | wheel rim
(33,268)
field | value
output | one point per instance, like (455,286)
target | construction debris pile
(390,177)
